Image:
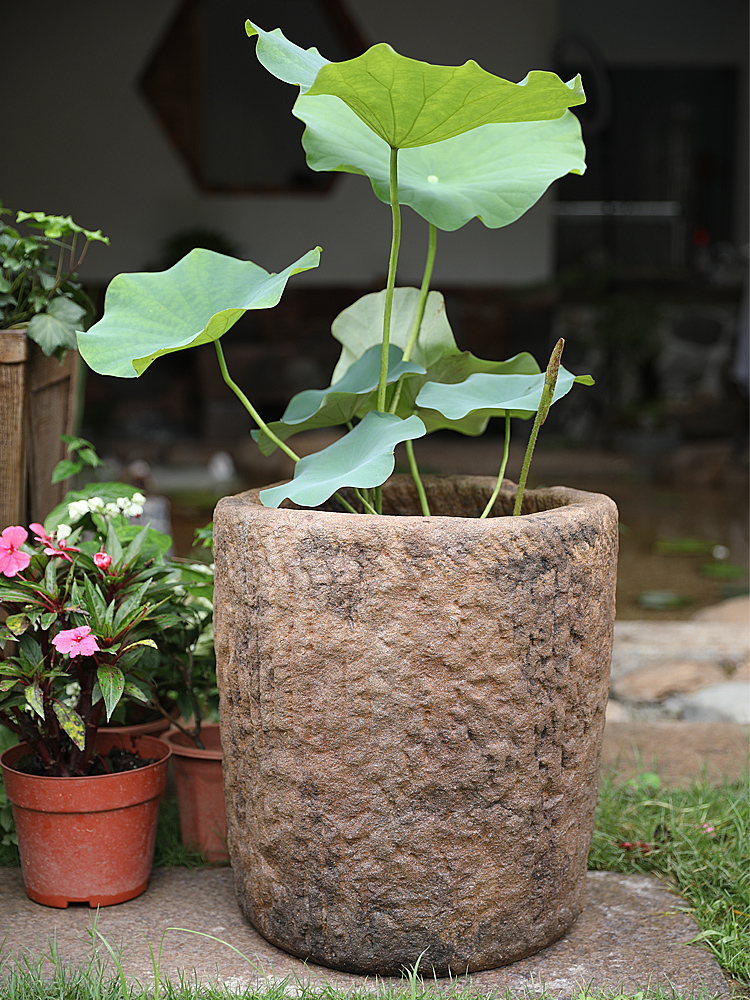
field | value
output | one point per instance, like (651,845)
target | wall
(79,139)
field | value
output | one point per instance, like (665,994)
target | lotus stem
(417,478)
(550,381)
(391,282)
(501,473)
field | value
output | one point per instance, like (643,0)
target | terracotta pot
(200,791)
(154,728)
(87,840)
(412,712)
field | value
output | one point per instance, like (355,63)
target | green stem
(550,380)
(391,282)
(417,479)
(249,406)
(421,305)
(423,292)
(365,502)
(501,473)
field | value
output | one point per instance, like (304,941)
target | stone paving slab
(679,752)
(631,933)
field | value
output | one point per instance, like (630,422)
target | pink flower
(53,547)
(12,559)
(102,561)
(76,642)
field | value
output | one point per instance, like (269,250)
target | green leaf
(7,683)
(55,226)
(17,624)
(65,469)
(195,302)
(141,642)
(71,722)
(33,695)
(47,620)
(492,394)
(360,326)
(133,691)
(362,458)
(56,327)
(283,59)
(112,684)
(411,103)
(494,173)
(338,403)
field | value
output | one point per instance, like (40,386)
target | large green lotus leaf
(360,326)
(411,103)
(362,458)
(283,59)
(338,403)
(495,394)
(495,172)
(456,368)
(147,315)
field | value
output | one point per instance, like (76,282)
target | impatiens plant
(38,286)
(450,142)
(82,602)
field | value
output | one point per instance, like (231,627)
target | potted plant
(82,602)
(413,675)
(42,304)
(186,676)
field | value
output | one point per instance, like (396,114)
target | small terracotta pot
(87,840)
(200,791)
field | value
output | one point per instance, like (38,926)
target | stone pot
(412,712)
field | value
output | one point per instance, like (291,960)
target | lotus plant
(449,142)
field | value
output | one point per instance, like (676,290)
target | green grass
(698,841)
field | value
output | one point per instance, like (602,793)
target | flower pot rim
(11,754)
(180,749)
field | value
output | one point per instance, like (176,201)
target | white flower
(63,530)
(112,509)
(138,498)
(96,504)
(78,509)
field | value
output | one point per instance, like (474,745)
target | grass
(696,839)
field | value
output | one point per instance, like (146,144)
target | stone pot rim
(569,500)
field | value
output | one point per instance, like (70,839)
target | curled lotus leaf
(362,458)
(412,103)
(359,327)
(494,394)
(494,172)
(148,315)
(338,403)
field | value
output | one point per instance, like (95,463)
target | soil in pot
(88,839)
(200,791)
(412,711)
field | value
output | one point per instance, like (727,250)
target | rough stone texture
(412,712)
(631,934)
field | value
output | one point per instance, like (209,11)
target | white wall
(79,139)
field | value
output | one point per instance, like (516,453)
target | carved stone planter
(412,712)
